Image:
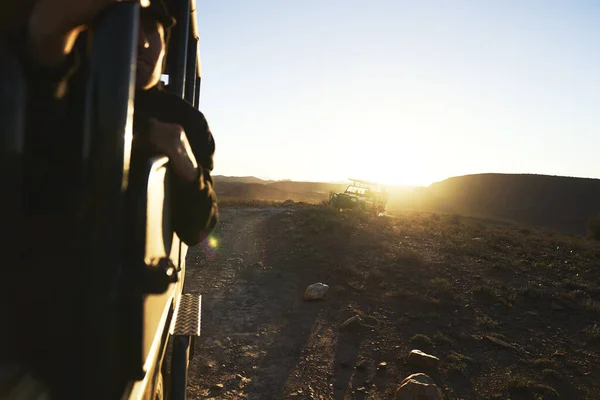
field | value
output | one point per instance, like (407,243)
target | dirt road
(260,340)
(247,342)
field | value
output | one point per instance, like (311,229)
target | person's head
(154,23)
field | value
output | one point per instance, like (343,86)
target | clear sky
(404,92)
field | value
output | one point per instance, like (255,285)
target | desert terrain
(511,311)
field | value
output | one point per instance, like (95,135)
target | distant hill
(553,202)
(305,187)
(251,188)
(239,179)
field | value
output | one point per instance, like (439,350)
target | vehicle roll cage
(130,264)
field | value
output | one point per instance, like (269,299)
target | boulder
(421,359)
(418,387)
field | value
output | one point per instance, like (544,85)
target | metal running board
(187,316)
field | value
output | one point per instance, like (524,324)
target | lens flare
(213,242)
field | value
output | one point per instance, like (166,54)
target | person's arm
(191,158)
(171,140)
(199,212)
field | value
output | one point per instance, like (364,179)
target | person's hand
(170,140)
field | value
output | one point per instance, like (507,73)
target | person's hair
(161,13)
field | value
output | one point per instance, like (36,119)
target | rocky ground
(508,312)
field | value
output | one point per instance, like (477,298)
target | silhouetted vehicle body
(96,294)
(363,195)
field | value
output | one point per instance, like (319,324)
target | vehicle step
(187,316)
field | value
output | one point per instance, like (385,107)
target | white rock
(316,291)
(418,387)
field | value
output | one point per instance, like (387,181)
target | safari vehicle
(109,256)
(363,195)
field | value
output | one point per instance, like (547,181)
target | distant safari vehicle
(363,195)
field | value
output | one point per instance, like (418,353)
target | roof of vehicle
(366,183)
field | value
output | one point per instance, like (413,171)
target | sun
(393,175)
(395,162)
